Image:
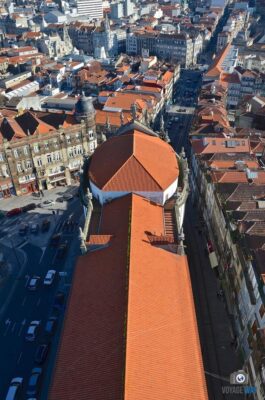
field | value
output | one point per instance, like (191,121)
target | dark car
(45,225)
(62,250)
(55,239)
(34,381)
(68,197)
(23,229)
(29,207)
(34,228)
(42,353)
(13,212)
(51,326)
(59,200)
(59,300)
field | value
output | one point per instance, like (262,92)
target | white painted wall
(158,197)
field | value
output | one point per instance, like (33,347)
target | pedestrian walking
(41,192)
(53,212)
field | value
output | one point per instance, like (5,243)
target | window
(26,150)
(46,145)
(28,164)
(15,153)
(39,162)
(5,171)
(1,157)
(36,148)
(91,134)
(262,310)
(70,152)
(49,159)
(68,139)
(254,327)
(19,168)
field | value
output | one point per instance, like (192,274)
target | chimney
(248,107)
(204,141)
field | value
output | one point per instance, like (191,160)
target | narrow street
(214,326)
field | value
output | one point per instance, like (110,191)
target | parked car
(47,203)
(34,381)
(55,239)
(45,225)
(13,212)
(68,196)
(62,250)
(14,389)
(41,353)
(51,325)
(34,282)
(49,278)
(32,331)
(59,300)
(23,229)
(34,228)
(29,207)
(59,200)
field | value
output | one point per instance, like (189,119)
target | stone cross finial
(122,118)
(134,111)
(162,124)
(108,127)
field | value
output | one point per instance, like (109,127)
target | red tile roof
(162,337)
(216,69)
(91,357)
(126,333)
(220,145)
(224,164)
(114,118)
(127,163)
(237,177)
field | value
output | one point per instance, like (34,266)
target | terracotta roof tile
(126,316)
(220,145)
(133,166)
(113,117)
(90,360)
(158,349)
(225,164)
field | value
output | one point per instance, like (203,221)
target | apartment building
(228,185)
(176,48)
(42,150)
(92,9)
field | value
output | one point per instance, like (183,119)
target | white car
(49,278)
(32,331)
(14,388)
(47,203)
(33,283)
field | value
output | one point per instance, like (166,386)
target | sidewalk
(53,194)
(215,330)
